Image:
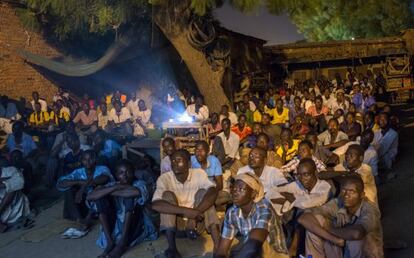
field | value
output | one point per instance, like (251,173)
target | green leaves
(318,20)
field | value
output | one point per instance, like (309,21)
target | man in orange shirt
(241,128)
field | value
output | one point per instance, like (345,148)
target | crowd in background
(295,168)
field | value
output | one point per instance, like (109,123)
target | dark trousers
(71,209)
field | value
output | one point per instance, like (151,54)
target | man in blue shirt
(212,166)
(108,150)
(20,140)
(78,184)
(8,109)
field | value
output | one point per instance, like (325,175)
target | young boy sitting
(348,226)
(253,220)
(353,164)
(187,193)
(13,203)
(80,182)
(121,212)
(306,192)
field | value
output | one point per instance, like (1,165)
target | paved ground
(395,198)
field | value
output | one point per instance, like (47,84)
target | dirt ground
(396,201)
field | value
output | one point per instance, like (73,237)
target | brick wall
(18,78)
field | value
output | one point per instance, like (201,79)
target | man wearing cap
(252,218)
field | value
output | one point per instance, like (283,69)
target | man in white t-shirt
(198,110)
(225,113)
(119,120)
(43,103)
(269,176)
(226,145)
(339,103)
(304,193)
(333,138)
(132,104)
(186,193)
(141,118)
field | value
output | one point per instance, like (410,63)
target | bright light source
(185,118)
(353,38)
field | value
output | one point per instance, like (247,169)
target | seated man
(242,129)
(305,151)
(85,118)
(37,99)
(321,153)
(119,120)
(272,159)
(71,156)
(141,118)
(108,150)
(252,138)
(269,176)
(78,184)
(226,145)
(386,144)
(211,165)
(103,116)
(348,226)
(57,117)
(14,205)
(121,212)
(370,154)
(187,193)
(333,138)
(306,192)
(168,147)
(273,131)
(226,113)
(59,150)
(354,157)
(8,109)
(38,119)
(280,114)
(20,140)
(17,161)
(288,146)
(198,110)
(252,220)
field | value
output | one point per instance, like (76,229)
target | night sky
(261,24)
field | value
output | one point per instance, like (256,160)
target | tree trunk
(208,81)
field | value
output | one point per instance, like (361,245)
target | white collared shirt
(43,105)
(202,114)
(303,198)
(121,117)
(232,117)
(270,177)
(231,145)
(185,192)
(133,106)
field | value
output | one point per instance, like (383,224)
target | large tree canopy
(318,20)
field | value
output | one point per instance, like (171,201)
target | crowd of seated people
(295,169)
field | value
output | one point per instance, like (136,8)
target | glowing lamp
(185,118)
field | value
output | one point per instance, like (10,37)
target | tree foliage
(318,20)
(73,18)
(321,20)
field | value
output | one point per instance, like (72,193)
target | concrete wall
(17,78)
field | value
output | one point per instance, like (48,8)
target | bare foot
(107,250)
(117,252)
